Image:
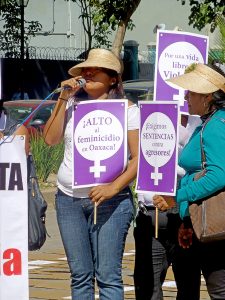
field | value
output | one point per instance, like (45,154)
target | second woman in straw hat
(205,97)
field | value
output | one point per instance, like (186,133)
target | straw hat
(101,58)
(201,79)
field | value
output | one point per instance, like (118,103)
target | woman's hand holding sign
(100,193)
(164,202)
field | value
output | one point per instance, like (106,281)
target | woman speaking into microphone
(93,251)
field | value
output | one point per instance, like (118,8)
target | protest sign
(175,50)
(13,220)
(157,163)
(99,141)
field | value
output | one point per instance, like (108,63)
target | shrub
(47,158)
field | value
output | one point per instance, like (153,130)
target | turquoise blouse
(190,159)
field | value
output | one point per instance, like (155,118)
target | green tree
(218,54)
(205,12)
(11,35)
(117,15)
(96,34)
(101,17)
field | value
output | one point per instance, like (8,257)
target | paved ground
(49,275)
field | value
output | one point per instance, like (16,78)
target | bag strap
(203,158)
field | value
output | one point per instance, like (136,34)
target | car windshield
(136,95)
(19,112)
(139,89)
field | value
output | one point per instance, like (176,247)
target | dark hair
(117,91)
(218,96)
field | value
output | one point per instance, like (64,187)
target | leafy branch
(10,35)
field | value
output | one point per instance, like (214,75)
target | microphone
(80,83)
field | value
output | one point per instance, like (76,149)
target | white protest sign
(13,220)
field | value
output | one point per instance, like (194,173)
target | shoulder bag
(208,214)
(37,207)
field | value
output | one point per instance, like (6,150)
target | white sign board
(13,220)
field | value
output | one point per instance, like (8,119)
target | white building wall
(152,12)
(61,26)
(66,17)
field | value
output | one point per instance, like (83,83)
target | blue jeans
(95,251)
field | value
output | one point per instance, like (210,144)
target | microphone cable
(31,114)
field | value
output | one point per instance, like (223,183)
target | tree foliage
(117,15)
(96,34)
(11,35)
(205,12)
(218,54)
(101,17)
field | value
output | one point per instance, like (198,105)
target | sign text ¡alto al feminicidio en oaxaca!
(99,141)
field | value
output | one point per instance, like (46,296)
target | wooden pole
(95,213)
(156,222)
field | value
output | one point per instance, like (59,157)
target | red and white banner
(13,220)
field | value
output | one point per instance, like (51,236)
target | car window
(138,89)
(18,113)
(137,95)
(43,113)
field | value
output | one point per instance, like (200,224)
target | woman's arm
(130,173)
(214,179)
(101,193)
(22,130)
(54,128)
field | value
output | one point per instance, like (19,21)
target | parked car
(21,109)
(138,89)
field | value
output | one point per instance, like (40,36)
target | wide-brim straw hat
(100,58)
(201,79)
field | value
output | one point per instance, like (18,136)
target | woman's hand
(164,202)
(1,135)
(74,86)
(100,193)
(185,236)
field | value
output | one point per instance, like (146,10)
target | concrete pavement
(49,277)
